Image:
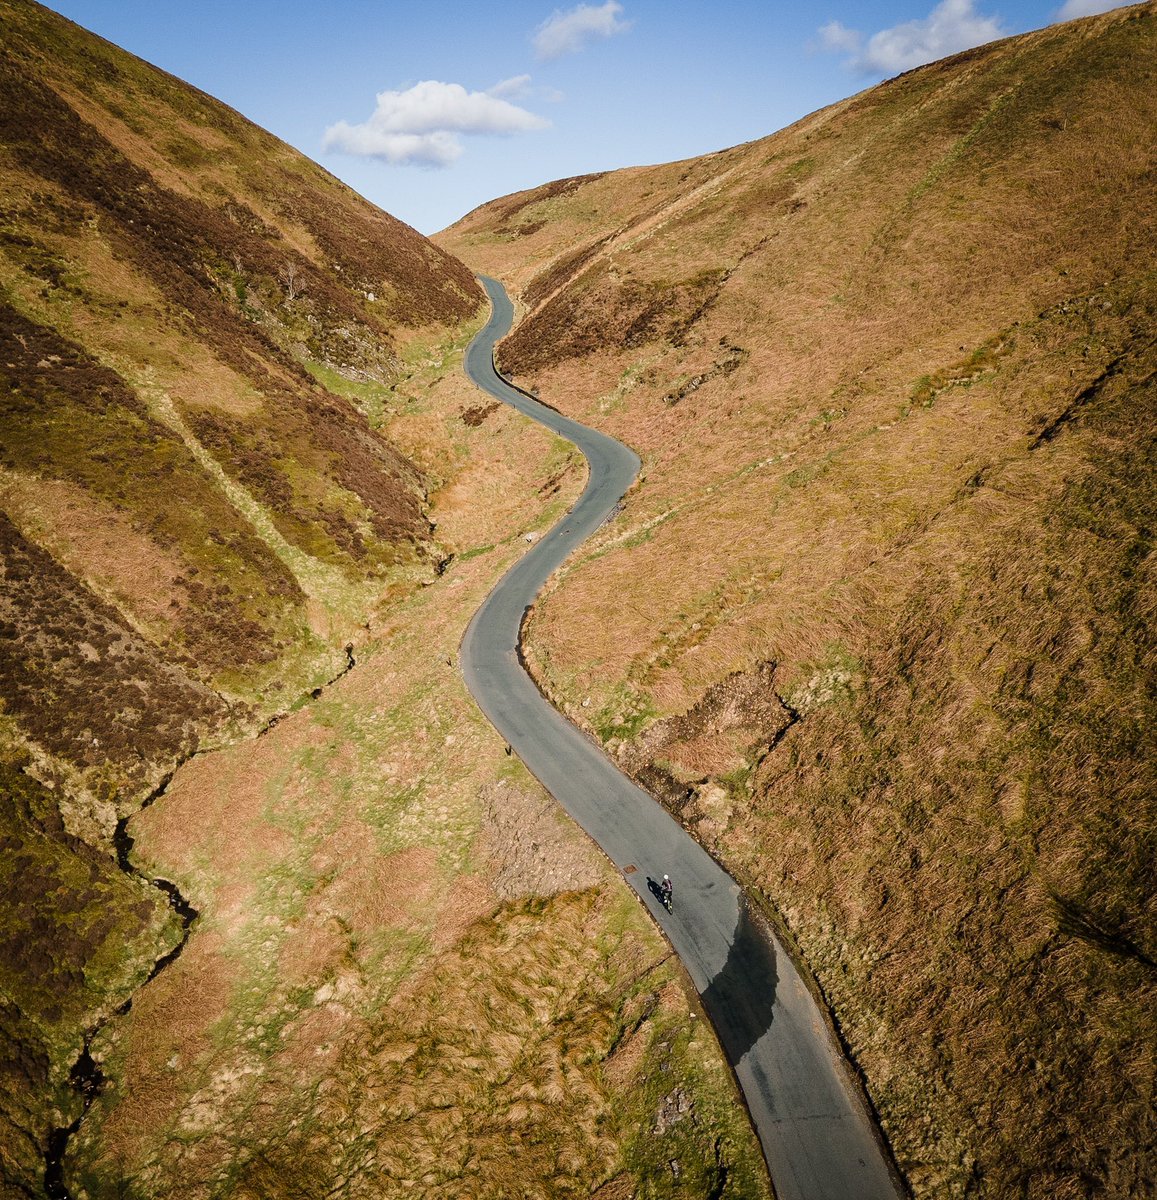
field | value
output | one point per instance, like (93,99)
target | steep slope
(883,603)
(232,416)
(195,522)
(168,273)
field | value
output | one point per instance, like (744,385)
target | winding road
(819,1141)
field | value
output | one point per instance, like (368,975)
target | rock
(673,1108)
(532,849)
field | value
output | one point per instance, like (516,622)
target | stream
(85,1077)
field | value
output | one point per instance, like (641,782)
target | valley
(287,917)
(249,506)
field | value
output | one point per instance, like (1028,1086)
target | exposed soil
(679,759)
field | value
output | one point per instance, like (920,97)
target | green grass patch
(370,398)
(808,473)
(624,715)
(836,678)
(979,366)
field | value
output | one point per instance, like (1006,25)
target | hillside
(282,918)
(192,527)
(171,275)
(883,602)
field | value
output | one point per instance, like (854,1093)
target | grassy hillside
(192,527)
(412,975)
(231,418)
(170,276)
(884,599)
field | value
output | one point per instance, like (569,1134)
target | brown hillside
(232,414)
(194,519)
(884,599)
(168,272)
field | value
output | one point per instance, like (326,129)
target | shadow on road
(739,999)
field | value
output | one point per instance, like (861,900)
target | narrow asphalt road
(817,1137)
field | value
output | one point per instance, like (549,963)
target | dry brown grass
(143,235)
(98,543)
(410,974)
(920,493)
(154,595)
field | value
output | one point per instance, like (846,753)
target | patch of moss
(624,714)
(981,364)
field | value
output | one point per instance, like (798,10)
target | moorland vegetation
(281,918)
(884,596)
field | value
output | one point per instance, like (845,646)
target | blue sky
(431,109)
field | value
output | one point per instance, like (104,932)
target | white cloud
(421,125)
(365,141)
(518,86)
(835,36)
(952,26)
(1071,9)
(571,31)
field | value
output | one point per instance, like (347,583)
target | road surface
(818,1139)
